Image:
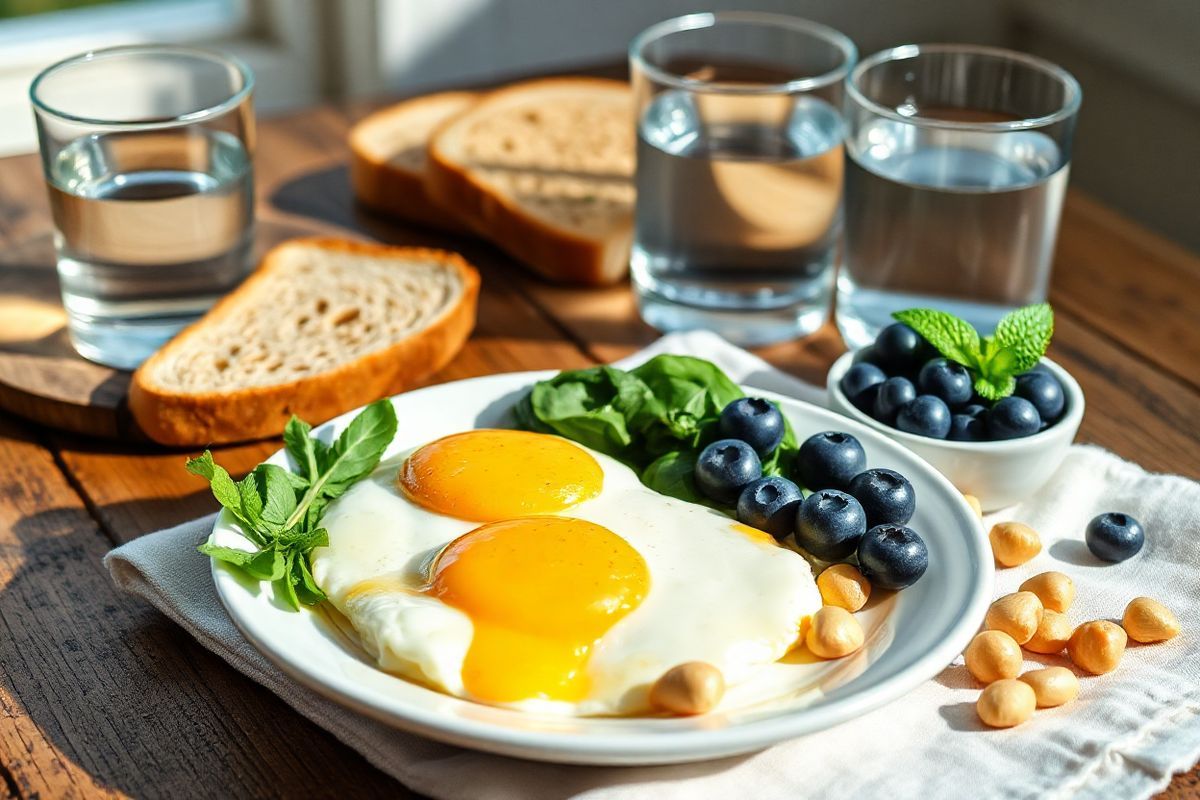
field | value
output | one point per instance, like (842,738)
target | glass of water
(957,164)
(739,173)
(147,156)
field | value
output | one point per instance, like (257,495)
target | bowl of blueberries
(1000,444)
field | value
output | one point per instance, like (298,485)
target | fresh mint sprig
(280,511)
(1020,341)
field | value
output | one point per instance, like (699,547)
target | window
(275,37)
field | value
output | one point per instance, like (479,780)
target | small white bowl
(998,473)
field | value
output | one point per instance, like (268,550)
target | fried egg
(522,569)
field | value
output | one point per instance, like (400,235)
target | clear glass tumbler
(739,173)
(957,162)
(147,156)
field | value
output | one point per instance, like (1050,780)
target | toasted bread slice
(323,326)
(544,170)
(387,158)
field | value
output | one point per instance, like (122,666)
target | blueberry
(865,402)
(967,428)
(894,394)
(892,556)
(900,349)
(725,467)
(771,505)
(829,460)
(1044,391)
(867,355)
(885,495)
(925,416)
(755,421)
(973,410)
(859,379)
(829,524)
(947,380)
(1012,418)
(1114,536)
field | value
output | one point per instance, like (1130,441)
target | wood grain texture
(1129,285)
(101,695)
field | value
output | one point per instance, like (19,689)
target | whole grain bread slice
(544,169)
(387,158)
(322,326)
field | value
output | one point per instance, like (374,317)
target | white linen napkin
(1124,737)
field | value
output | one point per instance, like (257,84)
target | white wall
(428,44)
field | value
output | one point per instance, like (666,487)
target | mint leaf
(307,452)
(1026,333)
(358,450)
(952,337)
(278,495)
(228,554)
(228,494)
(994,387)
(280,511)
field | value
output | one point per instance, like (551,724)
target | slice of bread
(322,326)
(544,170)
(387,158)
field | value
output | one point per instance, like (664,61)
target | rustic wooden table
(100,695)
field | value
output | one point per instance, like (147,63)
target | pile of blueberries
(901,381)
(851,510)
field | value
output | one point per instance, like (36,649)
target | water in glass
(153,227)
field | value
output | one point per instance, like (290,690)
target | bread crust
(558,255)
(184,419)
(386,188)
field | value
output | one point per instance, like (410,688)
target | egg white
(715,595)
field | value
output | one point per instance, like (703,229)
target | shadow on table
(125,700)
(118,697)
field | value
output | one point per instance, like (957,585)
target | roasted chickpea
(993,656)
(973,502)
(1052,686)
(833,633)
(842,585)
(1006,703)
(1014,543)
(694,687)
(1148,620)
(1052,634)
(1097,646)
(1054,589)
(1017,614)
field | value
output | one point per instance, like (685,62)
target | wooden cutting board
(41,377)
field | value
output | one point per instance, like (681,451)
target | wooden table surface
(101,695)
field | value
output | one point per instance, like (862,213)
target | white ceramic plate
(911,635)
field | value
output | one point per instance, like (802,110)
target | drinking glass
(739,173)
(957,162)
(146,152)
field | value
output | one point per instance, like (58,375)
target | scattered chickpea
(1052,686)
(1147,620)
(1014,543)
(1017,614)
(1054,589)
(842,585)
(694,687)
(1097,646)
(993,656)
(1052,634)
(834,633)
(1006,703)
(973,502)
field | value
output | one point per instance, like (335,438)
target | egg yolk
(489,475)
(540,592)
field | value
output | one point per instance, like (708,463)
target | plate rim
(657,747)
